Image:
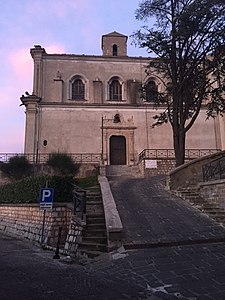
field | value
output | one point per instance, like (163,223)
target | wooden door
(117,150)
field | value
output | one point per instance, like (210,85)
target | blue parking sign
(46,198)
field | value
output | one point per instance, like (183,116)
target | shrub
(28,190)
(63,164)
(17,168)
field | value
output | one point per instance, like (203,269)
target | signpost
(46,203)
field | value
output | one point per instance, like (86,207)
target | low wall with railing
(162,161)
(26,220)
(190,173)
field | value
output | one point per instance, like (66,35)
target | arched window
(114,49)
(78,90)
(115,90)
(151,91)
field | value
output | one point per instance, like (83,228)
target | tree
(16,168)
(188,38)
(63,164)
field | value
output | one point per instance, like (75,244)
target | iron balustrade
(42,158)
(214,170)
(79,200)
(170,153)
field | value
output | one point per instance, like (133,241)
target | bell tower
(114,44)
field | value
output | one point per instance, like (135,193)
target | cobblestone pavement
(193,272)
(177,253)
(29,273)
(150,214)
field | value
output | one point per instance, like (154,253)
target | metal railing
(214,170)
(79,200)
(42,158)
(170,153)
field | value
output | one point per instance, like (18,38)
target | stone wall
(74,236)
(213,192)
(153,167)
(25,220)
(191,172)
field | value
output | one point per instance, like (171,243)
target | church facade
(92,106)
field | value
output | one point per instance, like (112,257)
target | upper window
(115,50)
(115,90)
(151,91)
(78,90)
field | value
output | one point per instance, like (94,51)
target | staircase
(213,210)
(94,237)
(123,171)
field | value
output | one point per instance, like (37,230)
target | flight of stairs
(94,237)
(213,210)
(123,171)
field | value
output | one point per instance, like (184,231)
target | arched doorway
(117,150)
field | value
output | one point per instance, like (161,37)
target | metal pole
(56,256)
(43,222)
(102,139)
(43,227)
(146,121)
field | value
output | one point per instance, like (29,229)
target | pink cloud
(22,66)
(55,49)
(18,79)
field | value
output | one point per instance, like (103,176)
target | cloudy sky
(60,26)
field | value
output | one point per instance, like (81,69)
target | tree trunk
(179,146)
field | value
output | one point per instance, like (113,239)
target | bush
(28,190)
(17,168)
(63,164)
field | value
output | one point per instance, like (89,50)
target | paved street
(150,214)
(29,273)
(177,253)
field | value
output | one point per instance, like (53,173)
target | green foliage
(87,182)
(63,164)
(27,190)
(17,168)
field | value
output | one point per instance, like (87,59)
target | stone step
(95,232)
(123,170)
(95,226)
(83,246)
(94,202)
(95,239)
(215,212)
(95,220)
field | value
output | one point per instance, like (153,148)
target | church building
(91,107)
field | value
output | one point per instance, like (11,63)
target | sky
(59,26)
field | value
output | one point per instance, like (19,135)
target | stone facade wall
(213,192)
(26,220)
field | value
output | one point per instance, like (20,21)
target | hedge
(28,190)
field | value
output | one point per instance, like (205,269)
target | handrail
(43,157)
(214,170)
(170,153)
(79,199)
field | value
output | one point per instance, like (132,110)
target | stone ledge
(113,222)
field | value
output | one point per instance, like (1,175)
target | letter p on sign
(46,195)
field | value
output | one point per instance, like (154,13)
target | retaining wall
(153,167)
(213,192)
(25,220)
(191,172)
